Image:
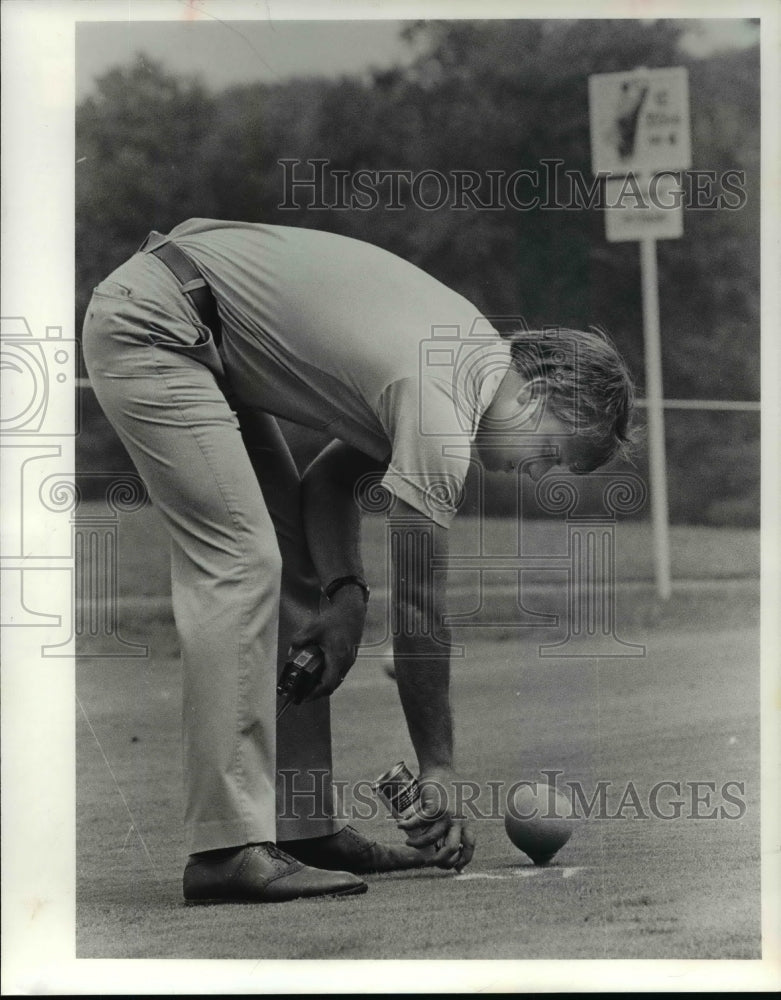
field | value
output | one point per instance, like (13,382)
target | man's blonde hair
(587,385)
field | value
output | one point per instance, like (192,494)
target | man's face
(549,446)
(519,433)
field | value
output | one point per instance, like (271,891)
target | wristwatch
(343,581)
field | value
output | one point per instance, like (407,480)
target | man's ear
(531,400)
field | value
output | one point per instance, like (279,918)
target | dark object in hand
(300,676)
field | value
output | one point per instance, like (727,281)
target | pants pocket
(195,343)
(201,338)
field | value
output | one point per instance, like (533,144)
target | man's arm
(421,652)
(421,642)
(332,524)
(330,511)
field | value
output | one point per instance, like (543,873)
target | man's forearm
(421,643)
(332,526)
(423,677)
(330,513)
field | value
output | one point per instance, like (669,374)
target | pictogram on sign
(640,121)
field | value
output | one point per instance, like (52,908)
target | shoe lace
(275,852)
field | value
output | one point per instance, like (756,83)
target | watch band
(343,581)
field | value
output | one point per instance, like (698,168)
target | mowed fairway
(629,884)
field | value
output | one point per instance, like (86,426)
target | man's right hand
(436,821)
(337,630)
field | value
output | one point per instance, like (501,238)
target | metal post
(655,404)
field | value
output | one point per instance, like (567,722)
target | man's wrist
(436,768)
(351,582)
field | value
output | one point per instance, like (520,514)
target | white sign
(640,121)
(639,208)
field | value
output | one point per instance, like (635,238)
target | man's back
(329,322)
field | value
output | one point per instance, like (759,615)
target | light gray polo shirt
(339,335)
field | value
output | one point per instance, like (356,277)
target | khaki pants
(242,578)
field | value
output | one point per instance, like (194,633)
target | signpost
(640,135)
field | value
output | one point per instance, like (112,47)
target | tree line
(482,100)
